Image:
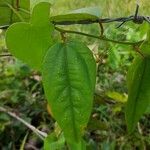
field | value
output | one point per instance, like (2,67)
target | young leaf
(11,11)
(91,13)
(30,41)
(138,81)
(69,73)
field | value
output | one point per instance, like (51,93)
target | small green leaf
(69,72)
(138,81)
(53,143)
(30,41)
(91,13)
(118,97)
(10,11)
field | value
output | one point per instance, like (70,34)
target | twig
(137,49)
(102,28)
(98,37)
(17,5)
(63,36)
(39,133)
(5,55)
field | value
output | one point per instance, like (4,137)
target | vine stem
(39,133)
(103,38)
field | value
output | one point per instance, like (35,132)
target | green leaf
(30,41)
(118,97)
(79,146)
(11,12)
(145,47)
(69,72)
(91,13)
(114,57)
(138,81)
(53,143)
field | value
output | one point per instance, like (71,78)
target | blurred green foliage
(21,88)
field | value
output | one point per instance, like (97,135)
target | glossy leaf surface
(69,73)
(30,41)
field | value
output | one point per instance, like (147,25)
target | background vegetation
(21,89)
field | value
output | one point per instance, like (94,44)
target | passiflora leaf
(69,72)
(138,81)
(13,11)
(30,41)
(91,13)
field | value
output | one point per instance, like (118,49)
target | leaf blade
(139,95)
(33,39)
(68,87)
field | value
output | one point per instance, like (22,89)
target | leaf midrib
(69,89)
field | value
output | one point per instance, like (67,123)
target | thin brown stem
(17,5)
(39,133)
(102,28)
(5,55)
(63,37)
(98,37)
(137,49)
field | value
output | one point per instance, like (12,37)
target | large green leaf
(11,11)
(69,73)
(138,81)
(91,13)
(30,41)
